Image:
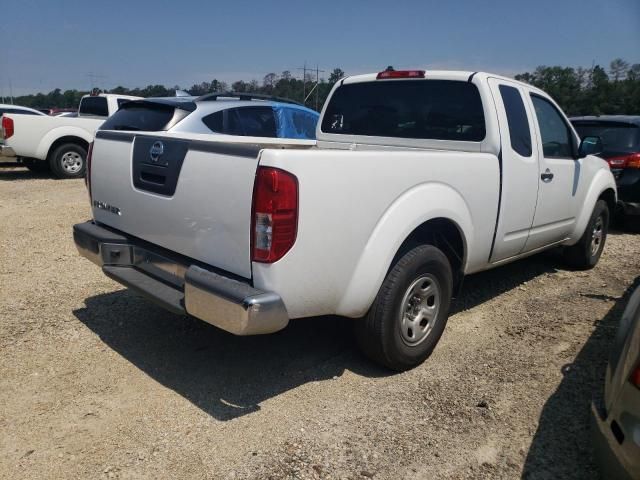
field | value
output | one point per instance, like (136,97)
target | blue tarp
(295,121)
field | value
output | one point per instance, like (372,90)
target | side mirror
(590,146)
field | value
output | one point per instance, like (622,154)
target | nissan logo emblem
(157,149)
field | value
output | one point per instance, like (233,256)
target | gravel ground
(96,382)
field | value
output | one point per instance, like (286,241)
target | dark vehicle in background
(620,135)
(616,413)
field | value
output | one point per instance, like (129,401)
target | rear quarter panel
(356,209)
(34,135)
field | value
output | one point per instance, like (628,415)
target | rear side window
(556,137)
(617,138)
(247,121)
(143,117)
(420,109)
(96,106)
(519,131)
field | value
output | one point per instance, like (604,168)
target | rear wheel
(410,311)
(586,253)
(68,161)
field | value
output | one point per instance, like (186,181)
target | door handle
(547,176)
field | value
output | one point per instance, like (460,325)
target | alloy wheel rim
(419,309)
(597,236)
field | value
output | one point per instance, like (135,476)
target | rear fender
(602,180)
(413,208)
(53,135)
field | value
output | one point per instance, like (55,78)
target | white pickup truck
(417,179)
(42,142)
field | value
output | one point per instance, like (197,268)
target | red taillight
(401,74)
(274,221)
(7,127)
(87,177)
(625,161)
(635,377)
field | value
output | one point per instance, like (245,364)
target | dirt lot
(96,382)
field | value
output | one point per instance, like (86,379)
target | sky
(47,44)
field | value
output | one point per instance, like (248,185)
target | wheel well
(69,139)
(610,197)
(444,234)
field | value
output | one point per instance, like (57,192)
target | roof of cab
(459,75)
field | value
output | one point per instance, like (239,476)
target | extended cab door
(519,169)
(559,175)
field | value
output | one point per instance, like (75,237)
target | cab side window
(517,119)
(556,136)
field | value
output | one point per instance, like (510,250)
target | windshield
(617,138)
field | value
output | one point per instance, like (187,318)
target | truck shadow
(15,171)
(224,375)
(561,446)
(481,287)
(229,376)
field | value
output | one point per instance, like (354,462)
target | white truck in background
(59,144)
(418,179)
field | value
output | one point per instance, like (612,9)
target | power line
(93,77)
(306,96)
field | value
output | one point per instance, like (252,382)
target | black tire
(586,253)
(36,166)
(380,333)
(68,161)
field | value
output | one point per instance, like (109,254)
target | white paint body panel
(355,212)
(208,217)
(520,190)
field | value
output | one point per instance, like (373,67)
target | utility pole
(317,84)
(304,81)
(305,95)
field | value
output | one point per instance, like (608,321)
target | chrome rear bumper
(6,151)
(179,285)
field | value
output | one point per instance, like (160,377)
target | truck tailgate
(189,196)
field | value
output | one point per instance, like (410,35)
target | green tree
(618,69)
(336,75)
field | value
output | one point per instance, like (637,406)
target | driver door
(558,175)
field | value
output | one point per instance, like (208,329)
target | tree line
(579,91)
(308,92)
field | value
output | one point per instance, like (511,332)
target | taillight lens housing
(400,74)
(631,160)
(635,377)
(274,222)
(87,177)
(7,127)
